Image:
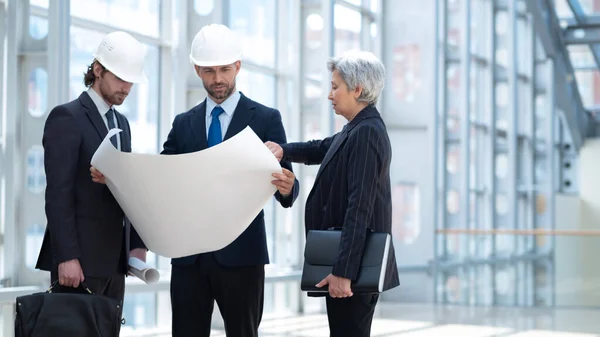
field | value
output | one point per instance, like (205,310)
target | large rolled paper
(191,203)
(143,271)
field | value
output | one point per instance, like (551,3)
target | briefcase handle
(339,228)
(81,285)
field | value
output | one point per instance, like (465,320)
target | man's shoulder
(69,108)
(262,109)
(191,112)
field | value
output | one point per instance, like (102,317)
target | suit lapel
(242,116)
(335,146)
(368,112)
(124,135)
(198,126)
(93,115)
(333,149)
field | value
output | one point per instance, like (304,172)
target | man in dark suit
(352,188)
(87,237)
(233,276)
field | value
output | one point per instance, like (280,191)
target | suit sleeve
(61,141)
(276,133)
(170,145)
(364,170)
(309,153)
(135,241)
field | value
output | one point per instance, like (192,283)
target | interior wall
(568,252)
(582,252)
(408,108)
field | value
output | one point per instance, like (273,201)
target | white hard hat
(123,56)
(215,45)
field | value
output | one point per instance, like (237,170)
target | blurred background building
(491,106)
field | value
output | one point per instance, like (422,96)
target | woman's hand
(339,287)
(275,149)
(97,176)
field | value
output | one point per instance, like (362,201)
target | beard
(223,92)
(116,99)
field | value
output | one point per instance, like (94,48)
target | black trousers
(239,293)
(351,316)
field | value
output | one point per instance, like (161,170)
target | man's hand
(284,181)
(339,287)
(275,149)
(97,176)
(70,273)
(140,253)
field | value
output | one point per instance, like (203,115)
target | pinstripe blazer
(352,189)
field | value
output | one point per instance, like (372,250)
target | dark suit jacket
(352,189)
(85,221)
(188,134)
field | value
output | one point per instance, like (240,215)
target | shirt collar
(98,101)
(228,105)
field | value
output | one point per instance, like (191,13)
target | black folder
(322,248)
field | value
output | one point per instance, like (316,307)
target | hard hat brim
(214,63)
(141,78)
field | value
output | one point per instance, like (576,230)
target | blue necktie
(111,125)
(214,131)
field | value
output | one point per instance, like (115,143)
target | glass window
(314,65)
(373,37)
(501,166)
(587,82)
(83,44)
(38,27)
(258,87)
(33,242)
(36,176)
(374,6)
(255,20)
(453,202)
(137,16)
(581,56)
(502,204)
(338,122)
(406,213)
(311,107)
(40,3)
(141,107)
(139,310)
(37,92)
(354,2)
(204,7)
(347,24)
(407,71)
(453,159)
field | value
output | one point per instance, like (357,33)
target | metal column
(491,148)
(551,152)
(439,136)
(12,156)
(58,51)
(2,111)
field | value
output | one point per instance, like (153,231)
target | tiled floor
(444,321)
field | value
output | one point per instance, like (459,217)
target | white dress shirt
(103,108)
(228,106)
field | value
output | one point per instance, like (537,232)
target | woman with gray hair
(352,189)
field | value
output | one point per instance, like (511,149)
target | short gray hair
(360,69)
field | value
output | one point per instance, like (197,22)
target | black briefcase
(322,247)
(53,313)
